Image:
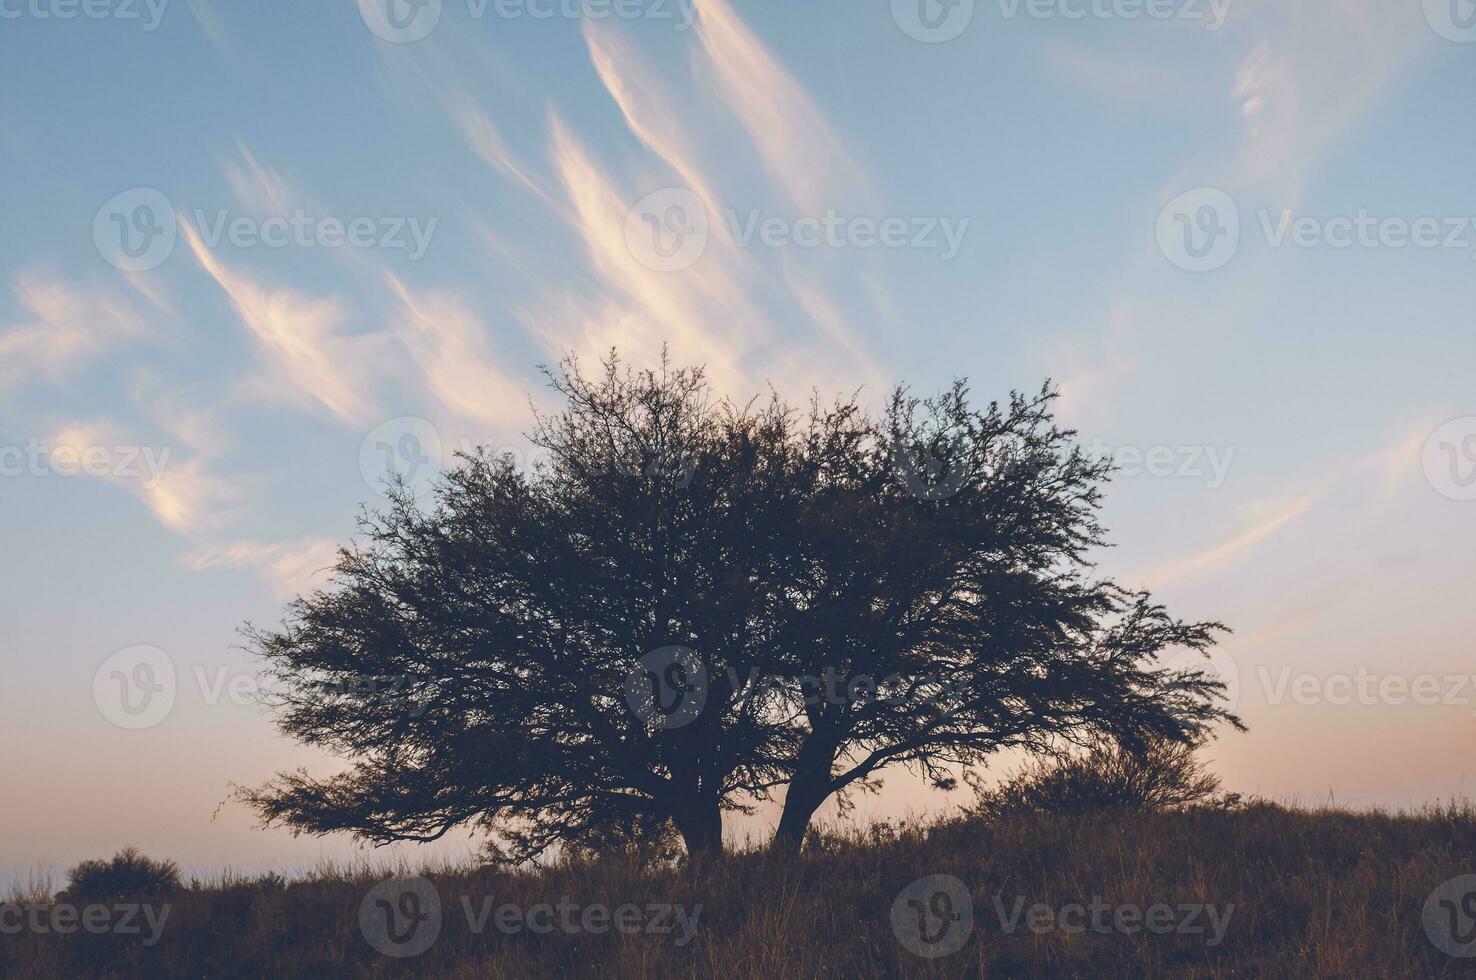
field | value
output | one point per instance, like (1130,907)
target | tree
(473,657)
(693,603)
(942,580)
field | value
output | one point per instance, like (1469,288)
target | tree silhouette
(473,656)
(943,560)
(693,603)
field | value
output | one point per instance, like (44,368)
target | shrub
(1163,776)
(128,875)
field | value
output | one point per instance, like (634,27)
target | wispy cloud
(207,15)
(801,152)
(481,134)
(1255,76)
(697,309)
(187,499)
(837,336)
(646,106)
(450,344)
(289,570)
(1391,465)
(1268,516)
(302,337)
(179,493)
(722,310)
(1305,78)
(65,328)
(772,100)
(257,187)
(1401,458)
(1315,73)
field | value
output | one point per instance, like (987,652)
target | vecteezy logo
(1454,20)
(1449,459)
(1199,230)
(135,688)
(667,230)
(933,916)
(408,448)
(929,477)
(933,21)
(135,230)
(401,917)
(668,687)
(1450,916)
(400,21)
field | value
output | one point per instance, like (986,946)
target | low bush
(1163,776)
(128,874)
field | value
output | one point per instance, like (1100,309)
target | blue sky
(1299,397)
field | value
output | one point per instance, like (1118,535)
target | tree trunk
(800,804)
(701,827)
(809,788)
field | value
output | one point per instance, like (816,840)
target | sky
(255,254)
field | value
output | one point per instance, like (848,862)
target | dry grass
(1315,893)
(37,886)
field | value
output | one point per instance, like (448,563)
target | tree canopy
(694,604)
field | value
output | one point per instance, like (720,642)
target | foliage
(853,593)
(128,874)
(1161,776)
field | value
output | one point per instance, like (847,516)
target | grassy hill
(1246,891)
